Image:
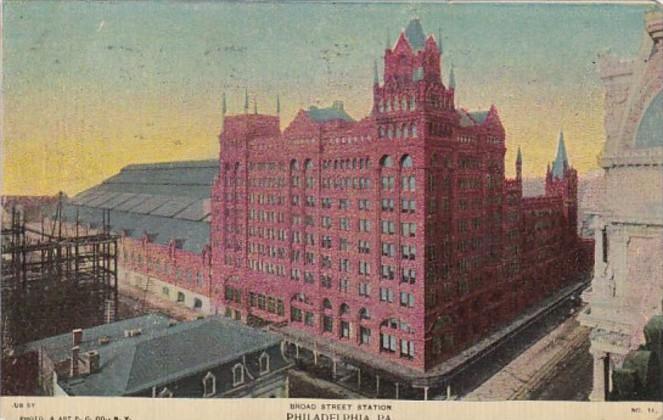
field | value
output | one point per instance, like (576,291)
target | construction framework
(53,282)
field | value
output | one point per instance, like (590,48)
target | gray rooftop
(468,119)
(334,112)
(169,200)
(161,354)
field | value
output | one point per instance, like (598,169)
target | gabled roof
(334,112)
(129,365)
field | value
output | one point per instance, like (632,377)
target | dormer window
(209,385)
(264,363)
(238,374)
(166,393)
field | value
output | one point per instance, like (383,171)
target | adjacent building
(162,213)
(153,356)
(627,288)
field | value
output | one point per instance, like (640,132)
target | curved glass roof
(650,131)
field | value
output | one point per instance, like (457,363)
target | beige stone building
(627,288)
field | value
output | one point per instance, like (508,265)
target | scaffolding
(53,282)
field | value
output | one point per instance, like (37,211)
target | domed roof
(650,131)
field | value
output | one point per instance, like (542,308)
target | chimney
(93,361)
(77,337)
(75,351)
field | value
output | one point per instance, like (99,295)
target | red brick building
(397,234)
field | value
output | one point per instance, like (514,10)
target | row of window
(266,303)
(398,131)
(404,103)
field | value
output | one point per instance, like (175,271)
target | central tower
(412,85)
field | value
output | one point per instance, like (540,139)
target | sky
(90,87)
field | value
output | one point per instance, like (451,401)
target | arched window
(413,103)
(381,132)
(380,106)
(209,385)
(197,303)
(364,314)
(264,363)
(390,132)
(308,165)
(386,162)
(404,103)
(406,161)
(398,132)
(238,374)
(414,130)
(354,163)
(294,166)
(344,309)
(388,106)
(326,304)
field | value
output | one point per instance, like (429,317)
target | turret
(519,166)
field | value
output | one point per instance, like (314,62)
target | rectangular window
(296,314)
(388,343)
(364,289)
(364,335)
(345,329)
(327,324)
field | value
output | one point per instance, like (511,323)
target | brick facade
(398,233)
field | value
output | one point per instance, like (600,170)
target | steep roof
(415,34)
(163,354)
(561,162)
(170,200)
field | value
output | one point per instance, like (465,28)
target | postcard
(352,210)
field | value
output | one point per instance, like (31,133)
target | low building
(154,356)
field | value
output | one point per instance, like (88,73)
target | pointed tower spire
(224,107)
(452,78)
(278,104)
(439,40)
(561,163)
(519,165)
(246,100)
(255,105)
(376,78)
